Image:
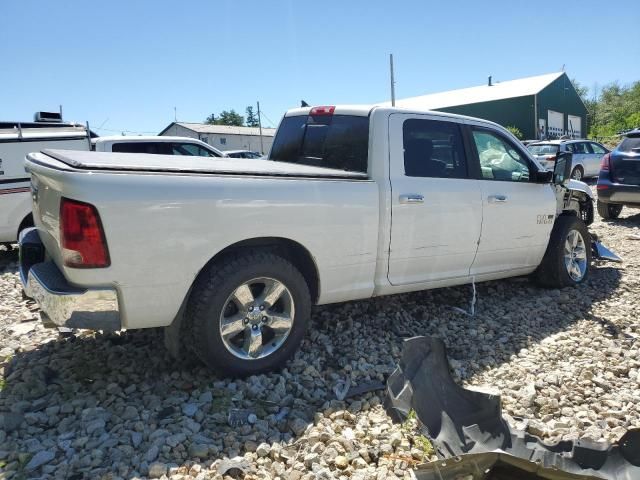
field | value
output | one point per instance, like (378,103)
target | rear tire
(577,173)
(567,260)
(609,211)
(233,295)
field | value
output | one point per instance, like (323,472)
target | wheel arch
(26,222)
(293,251)
(289,249)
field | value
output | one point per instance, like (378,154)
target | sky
(132,65)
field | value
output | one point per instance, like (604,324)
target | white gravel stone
(568,362)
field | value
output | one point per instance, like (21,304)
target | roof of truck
(365,110)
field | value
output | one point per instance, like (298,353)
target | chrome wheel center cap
(255,316)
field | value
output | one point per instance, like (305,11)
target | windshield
(331,141)
(544,149)
(630,144)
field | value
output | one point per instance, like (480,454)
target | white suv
(586,155)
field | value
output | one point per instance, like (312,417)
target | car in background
(619,179)
(155,145)
(242,154)
(586,155)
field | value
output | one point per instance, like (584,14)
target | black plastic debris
(468,431)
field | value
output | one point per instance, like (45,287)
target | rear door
(598,152)
(580,156)
(436,205)
(518,214)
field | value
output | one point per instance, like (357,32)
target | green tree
(516,132)
(230,117)
(252,118)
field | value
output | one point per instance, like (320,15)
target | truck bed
(97,161)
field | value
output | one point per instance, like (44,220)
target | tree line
(611,109)
(231,117)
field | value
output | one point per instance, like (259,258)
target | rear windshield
(330,141)
(543,149)
(630,144)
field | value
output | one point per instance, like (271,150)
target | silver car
(586,155)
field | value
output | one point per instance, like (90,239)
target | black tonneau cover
(99,161)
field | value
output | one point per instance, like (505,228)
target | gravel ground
(88,405)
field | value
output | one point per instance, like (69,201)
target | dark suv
(619,180)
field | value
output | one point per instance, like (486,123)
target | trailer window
(331,141)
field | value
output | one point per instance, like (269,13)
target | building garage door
(575,126)
(555,123)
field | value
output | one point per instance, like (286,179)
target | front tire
(609,211)
(567,260)
(248,313)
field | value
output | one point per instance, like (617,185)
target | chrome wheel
(577,174)
(257,318)
(575,255)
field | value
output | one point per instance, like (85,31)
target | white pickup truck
(356,202)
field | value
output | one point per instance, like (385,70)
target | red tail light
(325,110)
(82,236)
(550,158)
(605,164)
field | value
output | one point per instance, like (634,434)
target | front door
(518,214)
(436,206)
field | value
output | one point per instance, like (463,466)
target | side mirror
(544,176)
(562,169)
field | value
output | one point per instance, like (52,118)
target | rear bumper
(609,192)
(62,304)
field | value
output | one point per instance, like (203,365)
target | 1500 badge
(545,219)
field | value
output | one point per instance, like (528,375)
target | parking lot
(566,362)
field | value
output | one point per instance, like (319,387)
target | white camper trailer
(16,140)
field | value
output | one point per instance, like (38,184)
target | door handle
(409,198)
(497,198)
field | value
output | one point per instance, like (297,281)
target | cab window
(499,159)
(433,148)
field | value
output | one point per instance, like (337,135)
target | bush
(516,132)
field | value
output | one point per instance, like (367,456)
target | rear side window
(630,144)
(597,148)
(433,149)
(158,148)
(544,149)
(190,149)
(330,141)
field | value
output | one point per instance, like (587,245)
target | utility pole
(61,113)
(175,114)
(260,127)
(393,82)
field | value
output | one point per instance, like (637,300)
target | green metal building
(548,102)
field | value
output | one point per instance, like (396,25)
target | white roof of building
(520,87)
(227,129)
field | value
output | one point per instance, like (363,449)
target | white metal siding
(233,142)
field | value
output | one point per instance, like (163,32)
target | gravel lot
(87,405)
